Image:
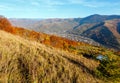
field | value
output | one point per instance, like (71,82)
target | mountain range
(27,56)
(95,29)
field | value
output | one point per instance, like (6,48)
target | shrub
(109,69)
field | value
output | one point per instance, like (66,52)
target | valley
(27,56)
(99,30)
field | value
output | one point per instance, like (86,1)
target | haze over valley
(94,29)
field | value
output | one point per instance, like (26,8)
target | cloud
(35,3)
(50,5)
(21,1)
(4,7)
(76,1)
(116,11)
(52,2)
(91,6)
(94,3)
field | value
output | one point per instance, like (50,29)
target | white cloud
(117,10)
(93,3)
(21,1)
(4,7)
(92,6)
(35,3)
(76,1)
(50,5)
(52,2)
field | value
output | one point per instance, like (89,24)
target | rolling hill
(57,27)
(102,29)
(51,26)
(30,57)
(106,32)
(26,61)
(96,18)
(25,23)
(79,29)
(27,56)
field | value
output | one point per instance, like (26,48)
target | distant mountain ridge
(103,34)
(98,18)
(103,29)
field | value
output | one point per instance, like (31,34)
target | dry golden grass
(24,61)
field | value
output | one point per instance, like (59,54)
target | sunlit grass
(27,61)
(23,61)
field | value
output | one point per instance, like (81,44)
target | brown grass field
(30,57)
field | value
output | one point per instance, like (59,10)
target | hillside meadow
(30,57)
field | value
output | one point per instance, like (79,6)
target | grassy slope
(23,61)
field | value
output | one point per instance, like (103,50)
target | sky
(58,8)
